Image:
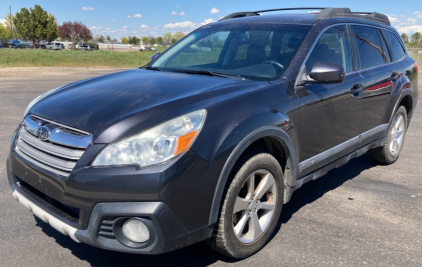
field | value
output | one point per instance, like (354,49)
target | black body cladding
(307,125)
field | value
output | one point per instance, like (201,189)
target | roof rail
(325,13)
(257,13)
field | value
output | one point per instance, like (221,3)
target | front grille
(59,152)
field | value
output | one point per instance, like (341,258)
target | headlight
(155,145)
(38,98)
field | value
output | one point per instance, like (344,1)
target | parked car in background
(41,46)
(86,47)
(146,48)
(62,45)
(1,46)
(25,46)
(81,45)
(12,46)
(53,46)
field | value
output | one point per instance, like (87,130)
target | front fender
(267,131)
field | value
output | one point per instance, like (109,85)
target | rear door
(329,113)
(379,80)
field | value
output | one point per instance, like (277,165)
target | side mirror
(327,72)
(154,56)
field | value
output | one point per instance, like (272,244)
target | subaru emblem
(43,133)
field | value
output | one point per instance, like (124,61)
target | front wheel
(251,208)
(389,153)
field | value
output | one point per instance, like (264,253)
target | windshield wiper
(151,68)
(210,73)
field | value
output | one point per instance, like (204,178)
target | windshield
(260,51)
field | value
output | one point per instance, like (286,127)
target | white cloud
(88,8)
(393,19)
(178,6)
(138,16)
(143,26)
(174,13)
(124,27)
(215,10)
(187,24)
(129,16)
(418,14)
(207,21)
(3,21)
(182,13)
(410,29)
(180,25)
(114,20)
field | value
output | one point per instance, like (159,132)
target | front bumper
(166,231)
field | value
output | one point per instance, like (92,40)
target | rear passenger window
(369,46)
(396,49)
(333,46)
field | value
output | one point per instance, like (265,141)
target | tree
(9,28)
(178,35)
(32,24)
(173,40)
(145,40)
(74,31)
(167,37)
(405,38)
(3,34)
(108,38)
(124,40)
(152,41)
(101,39)
(416,39)
(52,31)
(115,40)
(159,40)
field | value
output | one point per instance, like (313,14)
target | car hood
(124,103)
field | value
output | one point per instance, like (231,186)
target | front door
(329,113)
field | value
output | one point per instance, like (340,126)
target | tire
(396,134)
(250,210)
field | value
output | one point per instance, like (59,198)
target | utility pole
(10,21)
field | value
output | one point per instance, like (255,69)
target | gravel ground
(358,214)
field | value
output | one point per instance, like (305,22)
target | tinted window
(254,51)
(369,45)
(396,49)
(333,46)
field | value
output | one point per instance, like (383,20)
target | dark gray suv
(212,137)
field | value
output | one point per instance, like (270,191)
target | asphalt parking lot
(360,214)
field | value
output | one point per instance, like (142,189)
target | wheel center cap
(252,205)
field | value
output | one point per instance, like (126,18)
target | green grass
(67,58)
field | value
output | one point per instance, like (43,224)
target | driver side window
(333,46)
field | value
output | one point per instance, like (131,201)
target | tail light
(416,66)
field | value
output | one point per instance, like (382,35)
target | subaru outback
(210,138)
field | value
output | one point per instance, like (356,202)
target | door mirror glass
(327,72)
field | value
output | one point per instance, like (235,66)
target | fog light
(135,231)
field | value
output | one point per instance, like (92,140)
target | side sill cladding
(340,162)
(269,131)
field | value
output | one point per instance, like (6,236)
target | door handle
(356,89)
(394,76)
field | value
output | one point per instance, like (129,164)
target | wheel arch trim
(268,131)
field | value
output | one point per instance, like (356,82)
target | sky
(156,17)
